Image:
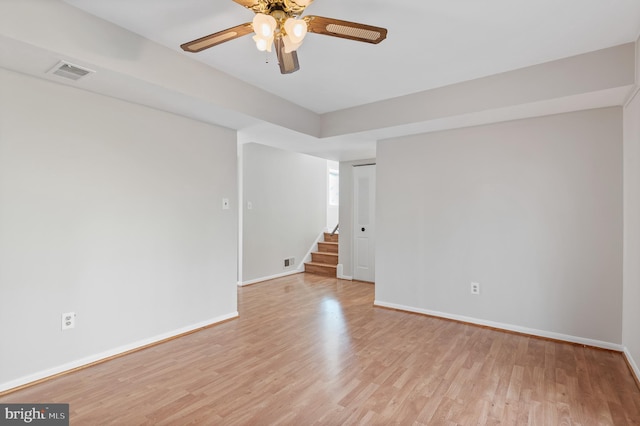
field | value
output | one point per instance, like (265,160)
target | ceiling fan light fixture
(296,29)
(264,25)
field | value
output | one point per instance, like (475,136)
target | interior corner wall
(631,274)
(345,245)
(113,211)
(284,209)
(530,209)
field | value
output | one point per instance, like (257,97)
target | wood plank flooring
(313,350)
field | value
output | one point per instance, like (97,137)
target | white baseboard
(507,327)
(299,269)
(110,353)
(259,280)
(632,364)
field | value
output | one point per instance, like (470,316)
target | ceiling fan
(279,23)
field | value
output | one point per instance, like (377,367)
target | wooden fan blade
(217,38)
(345,29)
(288,61)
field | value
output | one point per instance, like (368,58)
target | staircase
(325,260)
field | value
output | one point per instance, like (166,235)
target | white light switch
(225,204)
(249,205)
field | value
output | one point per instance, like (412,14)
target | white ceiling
(430,44)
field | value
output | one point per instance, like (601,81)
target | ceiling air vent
(69,71)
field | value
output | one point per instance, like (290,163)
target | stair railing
(335,229)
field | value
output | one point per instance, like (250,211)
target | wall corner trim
(635,370)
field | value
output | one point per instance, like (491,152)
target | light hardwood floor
(313,350)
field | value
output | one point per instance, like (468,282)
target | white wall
(288,195)
(530,209)
(345,245)
(111,210)
(333,211)
(631,308)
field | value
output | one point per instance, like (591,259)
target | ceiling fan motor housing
(287,8)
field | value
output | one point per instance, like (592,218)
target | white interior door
(364,196)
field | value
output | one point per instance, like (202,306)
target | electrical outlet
(68,320)
(225,204)
(475,288)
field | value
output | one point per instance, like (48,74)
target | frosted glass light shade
(263,43)
(264,25)
(290,46)
(296,29)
